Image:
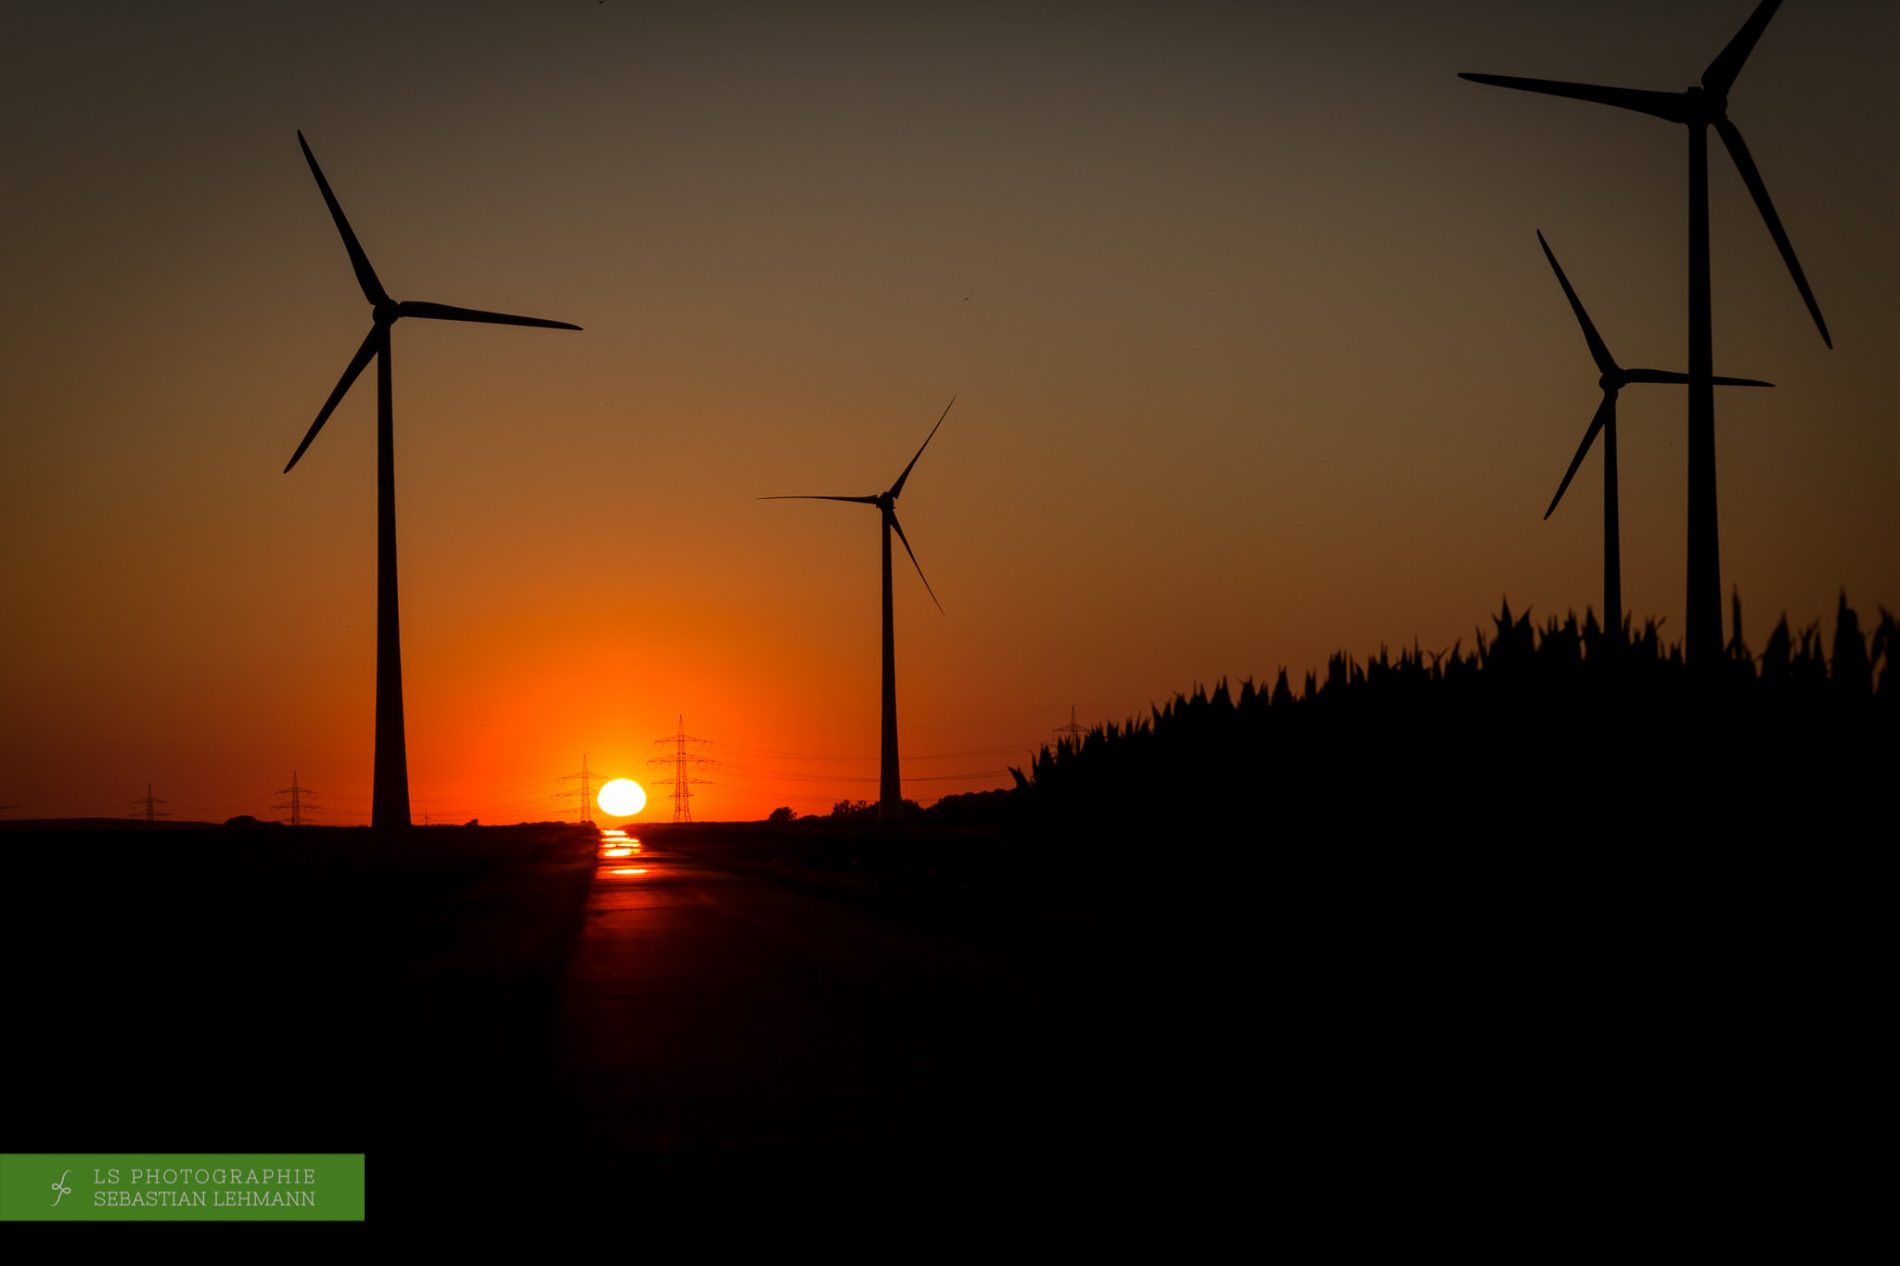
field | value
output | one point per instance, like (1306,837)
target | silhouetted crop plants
(1559,730)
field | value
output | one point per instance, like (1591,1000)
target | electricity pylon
(586,791)
(683,763)
(1075,732)
(298,805)
(146,806)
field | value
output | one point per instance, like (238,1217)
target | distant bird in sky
(1613,378)
(890,794)
(1699,108)
(389,801)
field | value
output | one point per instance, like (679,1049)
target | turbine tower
(890,799)
(1613,378)
(389,801)
(1699,108)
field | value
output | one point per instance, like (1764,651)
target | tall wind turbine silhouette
(1699,108)
(890,798)
(389,800)
(1613,378)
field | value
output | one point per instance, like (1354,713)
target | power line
(753,774)
(867,757)
(298,805)
(683,763)
(150,803)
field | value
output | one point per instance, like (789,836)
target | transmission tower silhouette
(683,762)
(1074,731)
(146,806)
(298,806)
(585,792)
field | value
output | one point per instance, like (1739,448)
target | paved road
(715,1020)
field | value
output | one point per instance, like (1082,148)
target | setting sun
(622,798)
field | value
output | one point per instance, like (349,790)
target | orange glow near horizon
(1255,352)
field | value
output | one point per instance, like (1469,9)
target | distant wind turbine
(389,801)
(1698,108)
(890,802)
(1613,379)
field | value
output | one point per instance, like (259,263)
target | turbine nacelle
(1704,107)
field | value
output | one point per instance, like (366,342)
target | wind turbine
(1613,379)
(1699,108)
(890,799)
(389,801)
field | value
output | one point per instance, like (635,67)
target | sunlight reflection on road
(616,843)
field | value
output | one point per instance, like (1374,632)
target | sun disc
(622,798)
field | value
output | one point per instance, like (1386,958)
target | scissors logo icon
(60,1189)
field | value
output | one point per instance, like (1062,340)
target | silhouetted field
(1537,735)
(322,989)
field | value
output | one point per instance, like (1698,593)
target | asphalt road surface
(1362,1035)
(721,1024)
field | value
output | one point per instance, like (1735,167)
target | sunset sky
(1255,352)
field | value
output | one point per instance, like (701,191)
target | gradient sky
(1256,352)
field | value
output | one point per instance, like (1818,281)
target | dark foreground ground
(825,1030)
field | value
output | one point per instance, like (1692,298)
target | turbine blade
(1664,105)
(1720,76)
(1606,412)
(869,501)
(1738,150)
(1671,376)
(365,275)
(913,555)
(1598,352)
(443,312)
(357,362)
(899,485)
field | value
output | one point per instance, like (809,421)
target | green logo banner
(178,1187)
